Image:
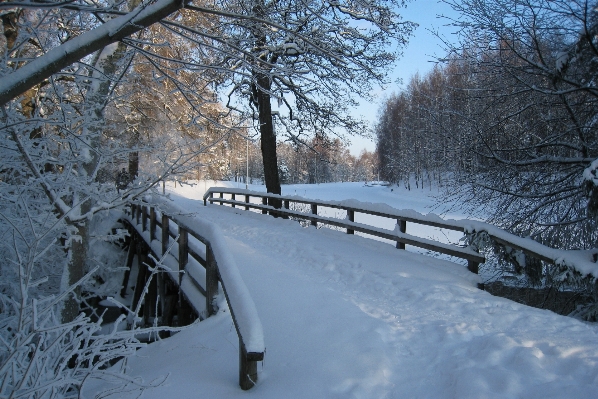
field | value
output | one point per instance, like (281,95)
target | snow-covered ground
(350,317)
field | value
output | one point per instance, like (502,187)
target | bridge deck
(349,317)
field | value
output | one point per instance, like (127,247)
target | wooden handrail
(219,267)
(579,260)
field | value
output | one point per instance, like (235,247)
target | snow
(349,317)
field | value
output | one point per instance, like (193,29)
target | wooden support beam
(351,217)
(247,202)
(264,202)
(233,198)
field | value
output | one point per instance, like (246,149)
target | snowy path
(349,317)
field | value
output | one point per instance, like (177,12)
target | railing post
(247,368)
(152,229)
(247,202)
(210,197)
(165,233)
(222,197)
(314,211)
(264,202)
(473,266)
(233,197)
(183,251)
(285,205)
(211,281)
(183,306)
(143,218)
(351,217)
(138,214)
(402,228)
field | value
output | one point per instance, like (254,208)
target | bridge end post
(247,368)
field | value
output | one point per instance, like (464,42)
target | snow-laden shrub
(514,268)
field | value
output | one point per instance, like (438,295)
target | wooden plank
(526,251)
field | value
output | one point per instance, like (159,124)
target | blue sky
(417,57)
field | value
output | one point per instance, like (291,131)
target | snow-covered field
(350,317)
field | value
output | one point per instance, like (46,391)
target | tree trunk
(268,138)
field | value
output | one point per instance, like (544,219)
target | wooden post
(402,228)
(473,266)
(314,211)
(138,213)
(285,205)
(165,233)
(152,229)
(183,251)
(183,307)
(221,196)
(211,196)
(233,197)
(351,217)
(141,274)
(129,264)
(264,202)
(149,304)
(247,368)
(247,202)
(143,218)
(211,282)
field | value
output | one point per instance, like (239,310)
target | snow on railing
(219,266)
(580,261)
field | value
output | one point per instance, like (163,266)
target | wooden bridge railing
(582,262)
(399,235)
(198,261)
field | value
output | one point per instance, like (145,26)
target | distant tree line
(318,160)
(509,119)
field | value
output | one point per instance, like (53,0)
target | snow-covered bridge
(345,316)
